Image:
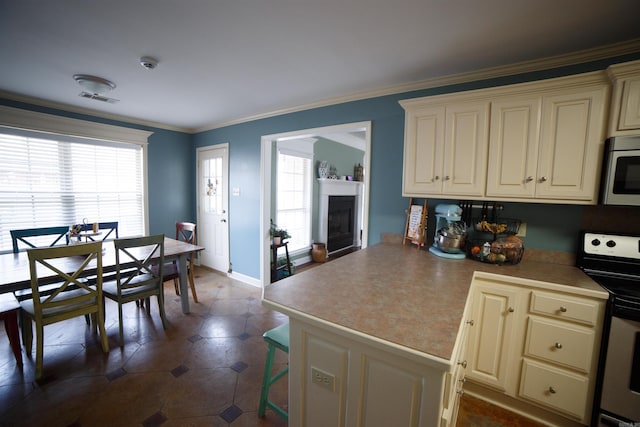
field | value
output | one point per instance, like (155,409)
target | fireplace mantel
(335,187)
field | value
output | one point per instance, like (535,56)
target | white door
(213,204)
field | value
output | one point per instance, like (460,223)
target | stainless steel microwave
(621,172)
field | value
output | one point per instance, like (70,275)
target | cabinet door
(513,147)
(490,338)
(630,105)
(423,151)
(570,145)
(465,150)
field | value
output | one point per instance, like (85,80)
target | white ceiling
(224,61)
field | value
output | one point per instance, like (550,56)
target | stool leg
(264,393)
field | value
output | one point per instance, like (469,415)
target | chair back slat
(31,237)
(140,251)
(64,262)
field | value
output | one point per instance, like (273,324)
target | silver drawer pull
(552,390)
(463,364)
(563,309)
(558,345)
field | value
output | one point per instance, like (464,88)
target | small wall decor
(358,172)
(323,169)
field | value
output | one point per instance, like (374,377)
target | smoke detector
(148,62)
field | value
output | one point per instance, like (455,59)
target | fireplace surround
(347,221)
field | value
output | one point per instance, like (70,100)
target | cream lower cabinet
(625,101)
(340,379)
(535,350)
(445,148)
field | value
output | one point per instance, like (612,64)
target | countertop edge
(415,355)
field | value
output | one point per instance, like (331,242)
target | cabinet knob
(543,179)
(463,364)
(446,178)
(510,310)
(528,179)
(552,390)
(558,345)
(563,309)
(460,392)
(435,178)
(470,322)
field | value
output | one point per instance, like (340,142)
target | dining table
(15,275)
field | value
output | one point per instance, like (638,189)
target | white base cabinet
(535,346)
(337,378)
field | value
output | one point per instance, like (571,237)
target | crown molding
(583,56)
(81,110)
(573,58)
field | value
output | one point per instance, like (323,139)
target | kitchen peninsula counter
(405,296)
(378,337)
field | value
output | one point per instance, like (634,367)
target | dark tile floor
(204,370)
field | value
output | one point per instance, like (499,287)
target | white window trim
(30,120)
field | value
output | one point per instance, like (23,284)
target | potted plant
(278,235)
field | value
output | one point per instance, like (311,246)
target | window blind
(294,199)
(51,180)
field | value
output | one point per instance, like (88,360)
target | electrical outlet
(522,231)
(323,379)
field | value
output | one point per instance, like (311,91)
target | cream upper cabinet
(445,149)
(513,146)
(539,141)
(571,141)
(625,101)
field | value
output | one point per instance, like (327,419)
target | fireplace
(339,214)
(340,222)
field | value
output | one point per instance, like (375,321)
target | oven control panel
(612,245)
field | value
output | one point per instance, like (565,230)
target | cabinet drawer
(560,342)
(555,388)
(566,307)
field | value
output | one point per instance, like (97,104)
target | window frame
(14,120)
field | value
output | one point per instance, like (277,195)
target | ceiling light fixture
(94,85)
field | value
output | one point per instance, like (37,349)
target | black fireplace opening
(341,222)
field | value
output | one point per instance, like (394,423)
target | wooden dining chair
(73,297)
(186,232)
(34,237)
(145,256)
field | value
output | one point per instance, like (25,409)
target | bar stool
(9,307)
(277,338)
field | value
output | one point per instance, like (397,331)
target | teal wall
(172,179)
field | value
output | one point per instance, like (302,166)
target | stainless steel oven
(613,261)
(621,172)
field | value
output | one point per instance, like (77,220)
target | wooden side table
(274,260)
(9,307)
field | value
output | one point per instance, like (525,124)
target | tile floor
(204,370)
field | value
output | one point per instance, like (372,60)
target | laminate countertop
(406,296)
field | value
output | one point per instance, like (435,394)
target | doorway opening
(354,135)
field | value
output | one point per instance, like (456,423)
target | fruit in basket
(491,227)
(475,250)
(511,247)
